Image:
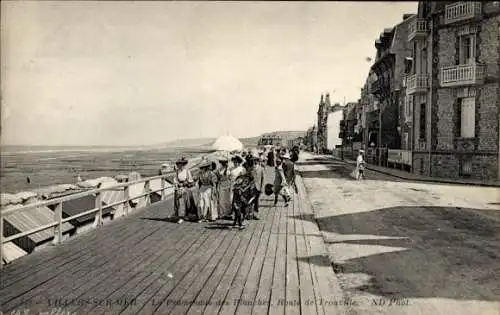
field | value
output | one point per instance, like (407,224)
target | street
(399,247)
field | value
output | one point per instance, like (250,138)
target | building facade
(334,116)
(452,89)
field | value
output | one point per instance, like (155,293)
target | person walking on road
(360,165)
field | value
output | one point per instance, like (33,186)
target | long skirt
(183,202)
(206,203)
(224,199)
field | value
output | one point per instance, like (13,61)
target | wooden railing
(462,10)
(416,83)
(417,28)
(466,74)
(58,202)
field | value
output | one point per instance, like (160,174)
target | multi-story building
(389,67)
(334,116)
(452,89)
(323,110)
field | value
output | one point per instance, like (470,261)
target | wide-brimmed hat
(223,159)
(285,156)
(181,161)
(361,151)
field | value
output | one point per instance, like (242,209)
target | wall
(333,129)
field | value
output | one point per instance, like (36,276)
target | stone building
(389,67)
(322,134)
(453,89)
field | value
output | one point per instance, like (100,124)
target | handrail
(58,220)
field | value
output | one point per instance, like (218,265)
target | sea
(49,165)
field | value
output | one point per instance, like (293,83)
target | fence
(58,219)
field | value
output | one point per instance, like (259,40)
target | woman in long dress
(280,184)
(183,196)
(207,183)
(224,189)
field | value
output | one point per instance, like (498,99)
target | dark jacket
(289,170)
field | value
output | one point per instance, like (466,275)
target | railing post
(126,200)
(58,228)
(1,239)
(147,188)
(98,204)
(162,189)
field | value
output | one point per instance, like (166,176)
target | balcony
(462,11)
(417,29)
(416,83)
(460,75)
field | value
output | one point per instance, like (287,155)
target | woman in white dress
(183,197)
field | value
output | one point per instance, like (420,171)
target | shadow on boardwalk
(145,264)
(419,252)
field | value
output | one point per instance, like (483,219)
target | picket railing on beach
(58,202)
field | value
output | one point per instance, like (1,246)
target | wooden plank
(153,296)
(210,286)
(263,296)
(82,241)
(221,291)
(27,287)
(63,254)
(210,256)
(278,289)
(309,303)
(124,273)
(293,300)
(159,267)
(252,283)
(105,265)
(115,299)
(203,278)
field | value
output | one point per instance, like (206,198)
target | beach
(50,166)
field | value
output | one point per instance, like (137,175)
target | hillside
(206,143)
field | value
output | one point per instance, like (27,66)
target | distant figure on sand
(183,196)
(28,180)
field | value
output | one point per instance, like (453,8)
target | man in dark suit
(257,172)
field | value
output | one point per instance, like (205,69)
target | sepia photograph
(250,157)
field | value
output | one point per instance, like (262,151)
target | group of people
(224,191)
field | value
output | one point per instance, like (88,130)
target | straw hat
(182,161)
(285,156)
(238,158)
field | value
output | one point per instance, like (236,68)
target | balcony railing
(461,11)
(417,29)
(470,74)
(416,83)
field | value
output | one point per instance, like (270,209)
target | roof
(77,206)
(12,252)
(33,218)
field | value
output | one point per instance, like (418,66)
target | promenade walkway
(421,178)
(144,264)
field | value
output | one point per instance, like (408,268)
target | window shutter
(468,117)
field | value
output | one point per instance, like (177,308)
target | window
(467,117)
(465,169)
(408,107)
(467,49)
(423,121)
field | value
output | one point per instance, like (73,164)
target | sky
(132,73)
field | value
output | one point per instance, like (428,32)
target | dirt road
(399,247)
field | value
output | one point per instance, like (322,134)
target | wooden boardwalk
(144,264)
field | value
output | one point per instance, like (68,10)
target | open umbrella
(227,143)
